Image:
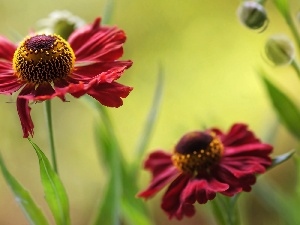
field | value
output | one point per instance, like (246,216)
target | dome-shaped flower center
(196,152)
(43,58)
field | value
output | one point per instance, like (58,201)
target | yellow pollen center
(193,156)
(43,58)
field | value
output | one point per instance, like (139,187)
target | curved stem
(225,210)
(283,7)
(296,67)
(293,28)
(108,11)
(50,134)
(261,2)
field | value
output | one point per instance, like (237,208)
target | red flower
(46,66)
(203,164)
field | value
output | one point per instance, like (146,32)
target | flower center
(196,152)
(43,58)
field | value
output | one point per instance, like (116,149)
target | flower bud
(61,22)
(253,15)
(280,50)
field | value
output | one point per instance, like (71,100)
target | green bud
(61,22)
(280,50)
(64,28)
(253,15)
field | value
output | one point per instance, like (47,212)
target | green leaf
(23,198)
(133,209)
(285,206)
(282,6)
(297,166)
(285,108)
(150,122)
(55,193)
(119,201)
(111,157)
(281,158)
(109,207)
(108,11)
(225,209)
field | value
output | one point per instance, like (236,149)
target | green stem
(296,67)
(218,211)
(233,214)
(108,11)
(283,7)
(293,28)
(261,2)
(225,210)
(50,134)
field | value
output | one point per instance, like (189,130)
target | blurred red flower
(203,164)
(46,66)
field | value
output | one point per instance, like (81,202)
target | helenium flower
(46,66)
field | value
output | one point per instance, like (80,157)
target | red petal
(24,111)
(158,182)
(255,149)
(160,165)
(158,161)
(7,49)
(8,80)
(238,135)
(236,184)
(95,42)
(77,90)
(41,93)
(172,203)
(109,94)
(202,189)
(88,71)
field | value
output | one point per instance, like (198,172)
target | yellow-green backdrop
(209,61)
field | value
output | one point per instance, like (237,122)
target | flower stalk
(296,67)
(51,134)
(225,210)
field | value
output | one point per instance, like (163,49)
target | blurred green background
(209,59)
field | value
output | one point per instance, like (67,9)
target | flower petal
(8,81)
(109,94)
(86,72)
(236,184)
(42,92)
(7,49)
(158,182)
(163,171)
(202,188)
(238,135)
(171,202)
(24,111)
(96,42)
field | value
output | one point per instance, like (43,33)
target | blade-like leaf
(108,11)
(285,206)
(54,190)
(150,122)
(282,6)
(225,209)
(134,209)
(109,153)
(297,166)
(109,207)
(109,211)
(282,158)
(23,198)
(285,108)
